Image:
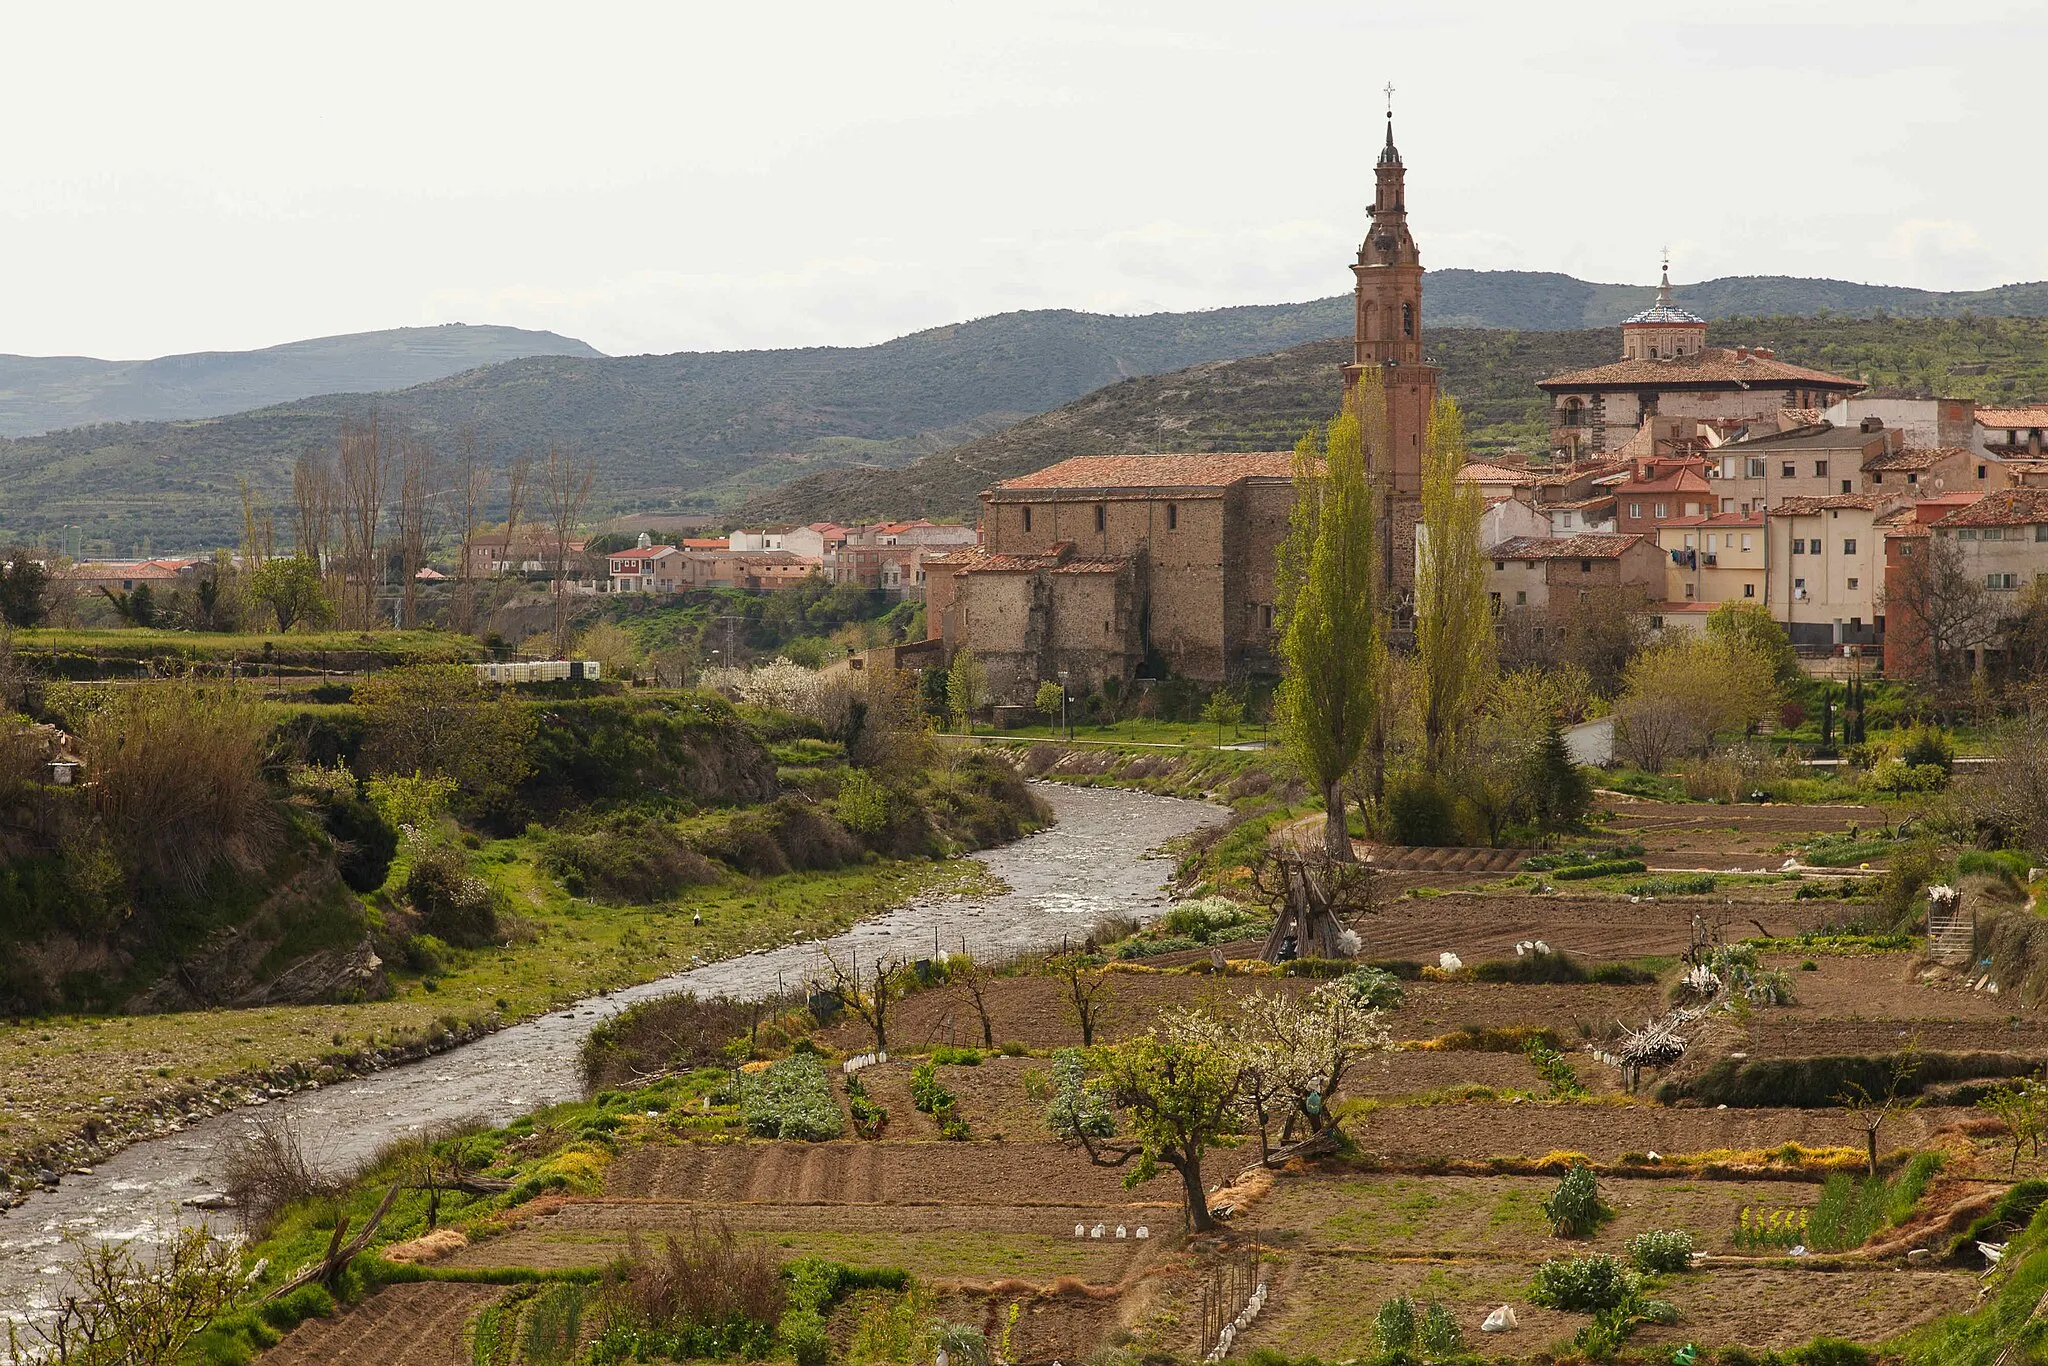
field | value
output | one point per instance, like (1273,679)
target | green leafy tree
(966,688)
(1328,589)
(24,590)
(1049,701)
(437,720)
(1453,621)
(1748,625)
(1224,708)
(137,608)
(1557,792)
(1177,1085)
(290,586)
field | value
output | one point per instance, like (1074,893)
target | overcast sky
(708,176)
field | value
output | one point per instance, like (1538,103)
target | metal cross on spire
(1390,101)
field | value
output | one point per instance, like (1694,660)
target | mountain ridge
(705,431)
(47,393)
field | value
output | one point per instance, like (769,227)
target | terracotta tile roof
(2033,415)
(1825,434)
(1481,472)
(1605,500)
(1186,470)
(1589,546)
(705,543)
(1712,365)
(1887,461)
(1802,417)
(2007,507)
(1799,505)
(1090,567)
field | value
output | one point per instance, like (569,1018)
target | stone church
(1111,566)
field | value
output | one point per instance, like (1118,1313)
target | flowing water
(1100,858)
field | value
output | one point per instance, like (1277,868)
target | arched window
(1407,320)
(1371,320)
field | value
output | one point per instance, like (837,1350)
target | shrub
(1076,1107)
(1926,746)
(1603,868)
(930,1095)
(704,1295)
(1439,1335)
(1200,919)
(869,1115)
(1683,884)
(1420,811)
(1574,1208)
(1555,1069)
(1531,969)
(1582,1285)
(178,781)
(1374,988)
(659,1035)
(790,1098)
(1393,1327)
(453,904)
(1661,1250)
(1893,776)
(267,1172)
(1826,1351)
(627,857)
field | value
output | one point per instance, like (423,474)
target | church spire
(1664,289)
(1389,154)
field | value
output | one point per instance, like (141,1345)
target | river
(1099,857)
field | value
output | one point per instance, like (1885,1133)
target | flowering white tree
(1293,1051)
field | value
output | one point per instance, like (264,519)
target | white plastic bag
(1500,1320)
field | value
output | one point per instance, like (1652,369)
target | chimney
(1764,353)
(1872,423)
(1741,355)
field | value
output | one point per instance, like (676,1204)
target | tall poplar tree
(1453,621)
(1328,589)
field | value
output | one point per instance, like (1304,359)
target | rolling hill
(702,431)
(42,393)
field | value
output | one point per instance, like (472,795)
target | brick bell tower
(1387,330)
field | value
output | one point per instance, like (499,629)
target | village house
(1714,559)
(1906,537)
(1764,465)
(532,551)
(1666,368)
(1660,490)
(125,576)
(1828,559)
(649,568)
(1547,578)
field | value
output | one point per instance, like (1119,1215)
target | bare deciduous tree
(868,996)
(259,529)
(1941,602)
(518,483)
(977,981)
(566,486)
(415,517)
(313,504)
(472,483)
(360,469)
(1089,999)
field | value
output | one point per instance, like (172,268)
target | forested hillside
(707,432)
(1265,402)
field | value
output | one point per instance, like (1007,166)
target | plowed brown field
(400,1325)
